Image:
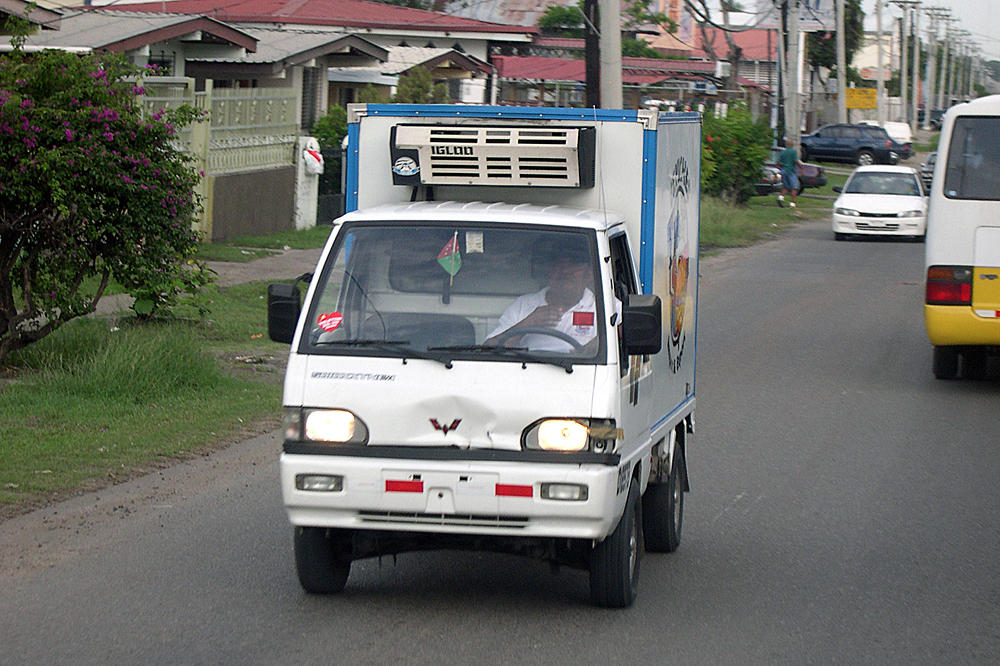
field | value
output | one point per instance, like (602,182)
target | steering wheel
(551,332)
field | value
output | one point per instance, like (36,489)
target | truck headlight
(324,425)
(569,435)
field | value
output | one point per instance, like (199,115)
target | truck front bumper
(505,498)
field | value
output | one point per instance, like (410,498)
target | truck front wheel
(663,510)
(320,561)
(614,562)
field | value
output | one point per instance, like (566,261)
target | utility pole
(902,68)
(611,54)
(916,69)
(842,64)
(909,8)
(592,54)
(949,62)
(945,99)
(782,68)
(935,14)
(880,79)
(792,112)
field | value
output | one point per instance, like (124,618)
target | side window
(851,133)
(623,279)
(973,167)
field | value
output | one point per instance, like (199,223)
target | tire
(663,510)
(945,362)
(319,560)
(614,562)
(865,157)
(839,236)
(974,364)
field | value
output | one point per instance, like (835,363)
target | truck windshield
(455,291)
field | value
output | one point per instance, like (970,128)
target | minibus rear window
(973,169)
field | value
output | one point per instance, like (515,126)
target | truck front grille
(463,520)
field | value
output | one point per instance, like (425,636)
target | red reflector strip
(507,490)
(392,486)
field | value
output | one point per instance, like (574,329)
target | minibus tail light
(949,285)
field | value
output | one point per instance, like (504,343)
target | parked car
(859,144)
(770,180)
(883,200)
(810,175)
(927,170)
(898,132)
(935,121)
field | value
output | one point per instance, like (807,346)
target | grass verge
(104,399)
(248,248)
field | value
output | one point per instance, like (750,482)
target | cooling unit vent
(511,156)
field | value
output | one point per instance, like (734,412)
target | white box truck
(497,348)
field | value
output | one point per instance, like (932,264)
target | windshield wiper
(520,353)
(398,346)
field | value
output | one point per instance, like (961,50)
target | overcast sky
(979,17)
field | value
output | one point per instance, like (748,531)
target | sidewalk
(285,266)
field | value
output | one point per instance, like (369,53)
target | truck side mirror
(642,324)
(283,308)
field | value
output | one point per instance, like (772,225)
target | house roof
(121,31)
(342,13)
(757,44)
(46,18)
(279,49)
(635,71)
(404,58)
(294,47)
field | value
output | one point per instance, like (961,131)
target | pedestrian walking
(788,160)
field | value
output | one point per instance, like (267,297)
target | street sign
(861,98)
(814,15)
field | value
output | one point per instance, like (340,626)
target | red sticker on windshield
(328,321)
(583,318)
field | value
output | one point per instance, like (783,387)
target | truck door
(634,370)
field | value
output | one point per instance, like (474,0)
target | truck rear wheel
(974,364)
(945,362)
(614,562)
(663,510)
(319,560)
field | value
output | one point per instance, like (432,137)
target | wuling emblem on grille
(447,427)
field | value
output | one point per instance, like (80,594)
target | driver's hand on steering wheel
(544,316)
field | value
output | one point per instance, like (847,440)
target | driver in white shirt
(566,305)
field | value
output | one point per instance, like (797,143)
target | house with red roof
(540,80)
(386,26)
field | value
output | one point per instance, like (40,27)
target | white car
(881,200)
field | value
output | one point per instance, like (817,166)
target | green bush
(738,145)
(92,190)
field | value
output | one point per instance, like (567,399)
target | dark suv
(858,144)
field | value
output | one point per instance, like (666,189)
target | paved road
(843,509)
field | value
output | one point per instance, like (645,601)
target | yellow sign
(861,98)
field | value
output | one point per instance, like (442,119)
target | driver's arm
(543,316)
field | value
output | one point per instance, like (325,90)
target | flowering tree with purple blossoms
(91,190)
